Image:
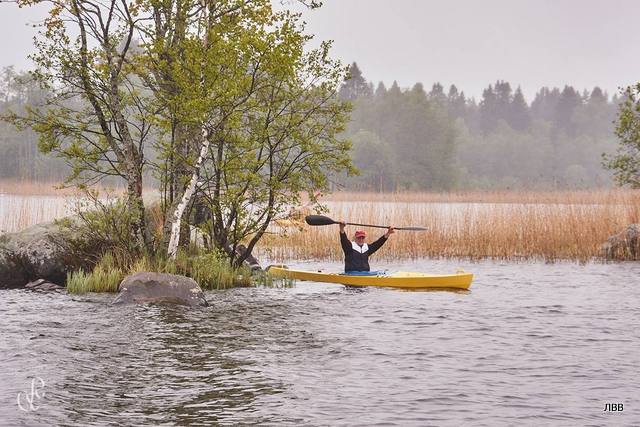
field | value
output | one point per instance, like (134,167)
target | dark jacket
(354,260)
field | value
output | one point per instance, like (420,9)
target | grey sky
(470,43)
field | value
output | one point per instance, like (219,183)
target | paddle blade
(412,228)
(318,220)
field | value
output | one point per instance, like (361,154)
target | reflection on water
(529,344)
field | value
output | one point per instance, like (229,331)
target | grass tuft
(105,277)
(209,270)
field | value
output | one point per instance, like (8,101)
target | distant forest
(411,139)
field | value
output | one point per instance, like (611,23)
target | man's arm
(381,241)
(344,241)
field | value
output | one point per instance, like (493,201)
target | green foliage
(420,140)
(224,93)
(625,164)
(19,155)
(212,271)
(375,159)
(239,75)
(269,110)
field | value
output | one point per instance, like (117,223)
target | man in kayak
(356,252)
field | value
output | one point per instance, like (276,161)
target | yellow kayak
(399,279)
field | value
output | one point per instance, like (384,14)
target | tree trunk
(136,206)
(174,240)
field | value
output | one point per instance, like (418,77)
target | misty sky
(470,43)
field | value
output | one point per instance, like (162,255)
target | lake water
(529,344)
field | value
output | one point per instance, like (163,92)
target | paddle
(325,220)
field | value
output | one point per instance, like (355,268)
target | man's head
(360,236)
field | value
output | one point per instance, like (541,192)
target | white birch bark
(186,197)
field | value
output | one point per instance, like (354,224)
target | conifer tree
(437,94)
(488,110)
(568,101)
(504,97)
(381,90)
(544,104)
(456,102)
(519,117)
(355,85)
(597,96)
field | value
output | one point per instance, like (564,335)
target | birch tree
(285,143)
(200,54)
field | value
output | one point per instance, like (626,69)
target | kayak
(398,279)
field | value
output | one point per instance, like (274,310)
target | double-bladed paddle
(325,220)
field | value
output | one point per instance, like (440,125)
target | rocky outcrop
(160,288)
(624,245)
(38,252)
(50,250)
(12,274)
(43,285)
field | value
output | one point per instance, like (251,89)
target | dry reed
(26,203)
(509,226)
(500,225)
(18,212)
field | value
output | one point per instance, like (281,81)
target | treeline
(414,139)
(443,140)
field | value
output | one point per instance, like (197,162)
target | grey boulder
(160,288)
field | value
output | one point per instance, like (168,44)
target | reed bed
(499,225)
(20,212)
(26,203)
(550,226)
